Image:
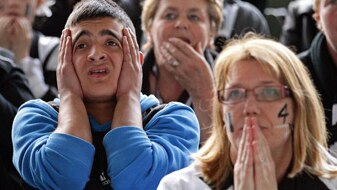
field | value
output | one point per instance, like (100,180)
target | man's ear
(317,18)
(141,57)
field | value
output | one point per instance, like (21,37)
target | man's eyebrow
(110,33)
(82,33)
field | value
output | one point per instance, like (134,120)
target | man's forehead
(99,27)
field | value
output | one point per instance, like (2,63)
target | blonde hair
(150,8)
(309,132)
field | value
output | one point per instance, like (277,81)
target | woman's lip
(185,39)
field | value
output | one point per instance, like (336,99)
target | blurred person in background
(179,53)
(34,53)
(299,27)
(321,60)
(14,91)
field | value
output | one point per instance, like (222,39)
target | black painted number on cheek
(283,113)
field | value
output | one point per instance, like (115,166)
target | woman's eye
(170,16)
(235,94)
(270,92)
(194,18)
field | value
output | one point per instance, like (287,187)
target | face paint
(229,123)
(283,113)
(282,126)
(29,11)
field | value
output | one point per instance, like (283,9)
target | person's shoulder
(251,18)
(313,53)
(7,55)
(5,65)
(7,60)
(37,104)
(191,171)
(148,101)
(304,55)
(35,113)
(300,7)
(176,113)
(331,183)
(178,105)
(333,149)
(249,8)
(186,178)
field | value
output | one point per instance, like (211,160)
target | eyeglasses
(262,94)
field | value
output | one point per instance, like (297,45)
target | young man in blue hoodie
(99,80)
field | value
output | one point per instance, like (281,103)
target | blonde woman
(268,128)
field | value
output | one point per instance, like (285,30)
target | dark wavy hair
(92,9)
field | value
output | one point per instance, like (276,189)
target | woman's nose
(181,23)
(251,105)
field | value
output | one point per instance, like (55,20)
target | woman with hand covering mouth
(179,57)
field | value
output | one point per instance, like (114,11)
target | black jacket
(324,74)
(14,91)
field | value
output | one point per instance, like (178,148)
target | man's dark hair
(92,9)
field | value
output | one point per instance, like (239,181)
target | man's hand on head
(67,79)
(130,79)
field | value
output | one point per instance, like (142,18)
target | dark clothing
(324,73)
(260,4)
(299,28)
(14,91)
(134,10)
(47,54)
(299,182)
(240,17)
(149,67)
(53,25)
